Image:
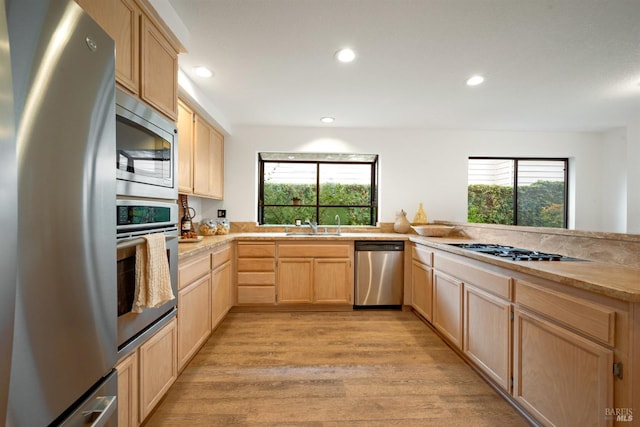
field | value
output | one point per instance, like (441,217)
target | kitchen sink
(311,234)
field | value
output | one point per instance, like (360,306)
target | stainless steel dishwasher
(379,274)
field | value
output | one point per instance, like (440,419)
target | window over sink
(318,187)
(518,191)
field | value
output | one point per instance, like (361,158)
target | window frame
(372,206)
(565,160)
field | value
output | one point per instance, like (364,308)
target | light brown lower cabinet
(560,377)
(314,273)
(563,355)
(158,367)
(487,334)
(332,281)
(447,307)
(220,293)
(194,305)
(194,318)
(128,391)
(256,273)
(145,375)
(314,281)
(204,298)
(422,289)
(295,280)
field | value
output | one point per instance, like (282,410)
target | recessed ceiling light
(475,80)
(327,119)
(345,55)
(203,72)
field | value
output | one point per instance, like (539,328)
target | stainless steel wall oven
(146,147)
(136,218)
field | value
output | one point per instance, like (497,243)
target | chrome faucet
(313,225)
(338,219)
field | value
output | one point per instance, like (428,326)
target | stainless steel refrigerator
(8,214)
(65,325)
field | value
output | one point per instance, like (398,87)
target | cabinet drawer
(423,255)
(193,269)
(256,278)
(256,294)
(256,250)
(492,282)
(256,264)
(314,251)
(220,257)
(592,319)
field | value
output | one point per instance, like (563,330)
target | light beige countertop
(607,279)
(210,242)
(616,281)
(187,249)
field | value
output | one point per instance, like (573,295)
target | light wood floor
(360,368)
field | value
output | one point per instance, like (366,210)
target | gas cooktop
(512,253)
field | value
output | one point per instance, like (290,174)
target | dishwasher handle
(379,245)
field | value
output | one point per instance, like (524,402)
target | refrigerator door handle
(100,414)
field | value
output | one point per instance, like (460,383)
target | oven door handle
(137,241)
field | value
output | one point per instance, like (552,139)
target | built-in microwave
(146,150)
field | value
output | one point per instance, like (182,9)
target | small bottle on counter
(185,225)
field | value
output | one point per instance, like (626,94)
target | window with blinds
(518,191)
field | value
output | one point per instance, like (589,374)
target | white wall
(633,176)
(614,181)
(428,166)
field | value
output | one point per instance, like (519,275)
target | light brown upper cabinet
(121,20)
(158,69)
(185,148)
(146,50)
(201,155)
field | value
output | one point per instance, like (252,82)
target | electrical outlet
(222,213)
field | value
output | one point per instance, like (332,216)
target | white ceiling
(548,64)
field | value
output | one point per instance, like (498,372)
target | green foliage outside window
(540,204)
(490,204)
(284,203)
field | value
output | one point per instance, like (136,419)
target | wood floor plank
(325,369)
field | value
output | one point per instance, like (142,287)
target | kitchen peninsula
(523,326)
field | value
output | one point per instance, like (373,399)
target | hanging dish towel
(153,281)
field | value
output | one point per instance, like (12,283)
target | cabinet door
(128,391)
(158,367)
(487,334)
(185,149)
(220,293)
(159,70)
(447,307)
(332,281)
(120,19)
(194,318)
(422,289)
(560,377)
(208,160)
(295,280)
(201,157)
(216,165)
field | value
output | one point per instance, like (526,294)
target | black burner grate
(511,253)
